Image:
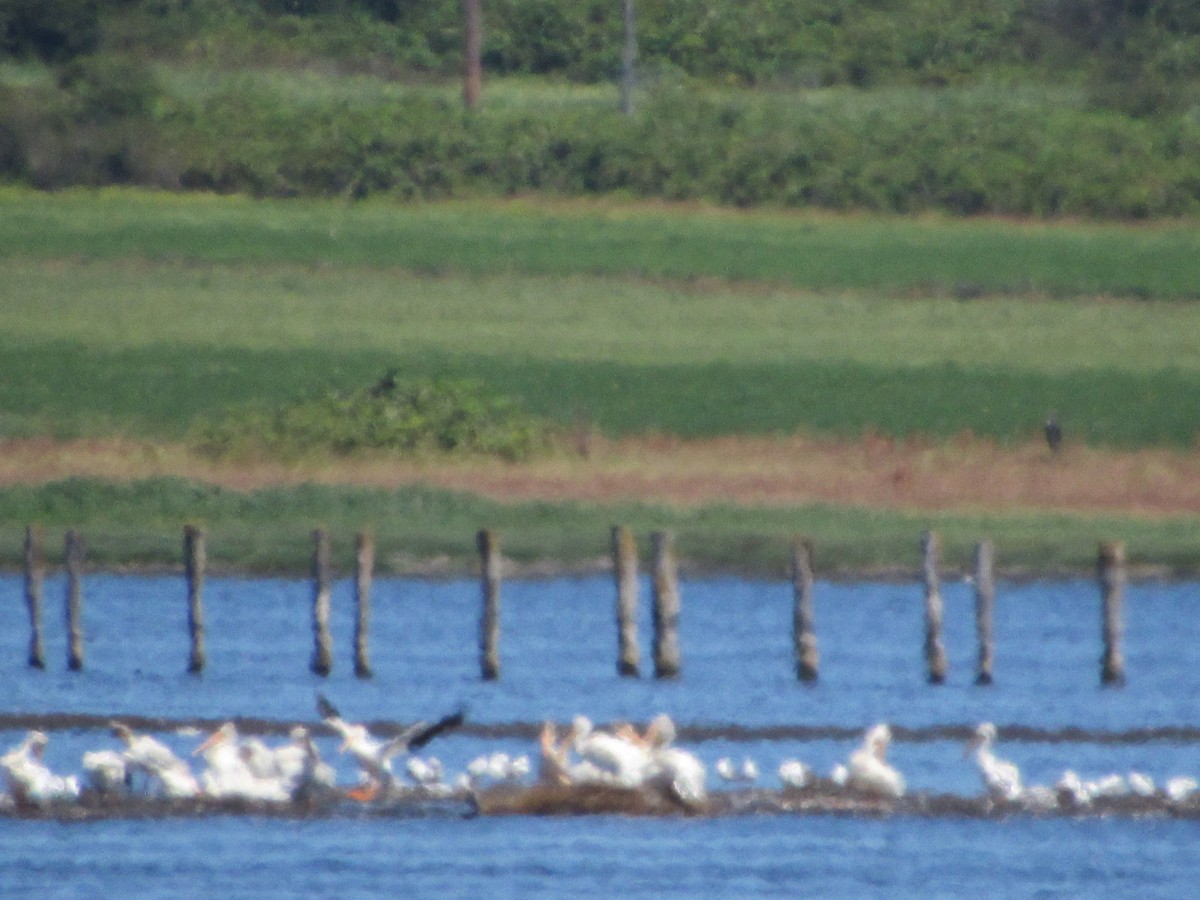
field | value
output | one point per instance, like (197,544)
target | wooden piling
(804,636)
(625,569)
(489,622)
(35,573)
(472,52)
(74,559)
(985,606)
(363,572)
(666,606)
(935,652)
(322,661)
(194,560)
(1111,570)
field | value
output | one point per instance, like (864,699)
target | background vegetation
(1033,107)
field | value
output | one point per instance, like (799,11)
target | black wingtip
(446,723)
(326,709)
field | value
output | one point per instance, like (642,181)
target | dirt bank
(961,475)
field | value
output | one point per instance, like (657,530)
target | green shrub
(432,415)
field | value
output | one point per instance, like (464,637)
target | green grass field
(270,530)
(138,314)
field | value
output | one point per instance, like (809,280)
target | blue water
(558,658)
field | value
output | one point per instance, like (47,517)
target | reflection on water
(558,654)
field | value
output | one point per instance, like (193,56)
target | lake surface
(558,656)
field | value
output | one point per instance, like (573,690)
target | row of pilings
(665,604)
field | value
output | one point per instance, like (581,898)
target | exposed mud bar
(589,800)
(696,733)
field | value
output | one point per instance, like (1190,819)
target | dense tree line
(1042,107)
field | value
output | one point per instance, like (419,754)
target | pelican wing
(326,709)
(422,734)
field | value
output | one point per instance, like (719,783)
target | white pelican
(675,771)
(746,773)
(868,770)
(618,760)
(1001,778)
(299,767)
(230,774)
(107,772)
(374,757)
(167,773)
(30,781)
(795,774)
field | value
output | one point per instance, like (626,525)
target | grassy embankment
(136,315)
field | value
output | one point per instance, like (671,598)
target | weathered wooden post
(35,572)
(322,661)
(1111,566)
(489,622)
(628,58)
(472,52)
(74,558)
(985,607)
(625,569)
(194,560)
(804,636)
(666,606)
(363,571)
(935,652)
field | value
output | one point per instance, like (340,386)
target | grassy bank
(422,530)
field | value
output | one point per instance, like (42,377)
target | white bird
(1072,792)
(746,773)
(299,767)
(868,770)
(498,768)
(426,773)
(613,760)
(30,781)
(230,774)
(1108,787)
(107,772)
(1142,785)
(673,770)
(1180,788)
(374,757)
(839,775)
(167,773)
(795,774)
(1001,777)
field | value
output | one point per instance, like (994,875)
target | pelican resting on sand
(867,770)
(374,757)
(239,772)
(30,781)
(1001,777)
(167,774)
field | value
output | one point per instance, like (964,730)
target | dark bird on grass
(1053,433)
(386,385)
(374,756)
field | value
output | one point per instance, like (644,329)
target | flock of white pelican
(619,759)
